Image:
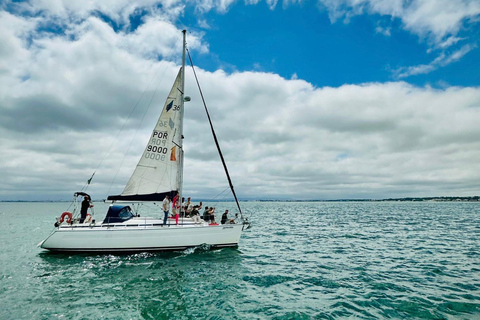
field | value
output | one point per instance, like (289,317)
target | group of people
(188,210)
(185,209)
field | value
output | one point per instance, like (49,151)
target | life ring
(88,218)
(69,217)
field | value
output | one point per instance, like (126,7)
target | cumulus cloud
(65,96)
(358,138)
(117,10)
(438,22)
(282,138)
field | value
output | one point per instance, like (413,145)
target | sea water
(300,260)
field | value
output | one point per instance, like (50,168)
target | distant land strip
(416,199)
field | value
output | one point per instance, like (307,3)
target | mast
(182,102)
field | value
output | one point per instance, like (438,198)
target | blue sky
(311,99)
(302,40)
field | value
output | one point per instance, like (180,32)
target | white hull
(141,236)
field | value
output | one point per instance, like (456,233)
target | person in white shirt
(166,208)
(195,215)
(188,206)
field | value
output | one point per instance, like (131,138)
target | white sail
(158,171)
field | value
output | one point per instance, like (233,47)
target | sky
(311,100)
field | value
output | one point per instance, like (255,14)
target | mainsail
(158,172)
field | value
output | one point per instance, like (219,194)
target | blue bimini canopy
(118,213)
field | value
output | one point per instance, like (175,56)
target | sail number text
(157,149)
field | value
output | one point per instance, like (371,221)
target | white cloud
(386,31)
(440,61)
(202,23)
(218,5)
(449,42)
(281,138)
(64,98)
(157,36)
(13,47)
(286,138)
(117,10)
(436,21)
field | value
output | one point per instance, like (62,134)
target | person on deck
(211,213)
(166,206)
(224,217)
(85,205)
(195,215)
(206,214)
(188,207)
(176,207)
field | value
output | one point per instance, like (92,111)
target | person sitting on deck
(195,215)
(212,217)
(206,215)
(233,221)
(211,214)
(224,217)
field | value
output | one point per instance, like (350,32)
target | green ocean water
(300,260)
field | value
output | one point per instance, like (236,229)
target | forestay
(159,170)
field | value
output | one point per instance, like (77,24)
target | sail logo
(169,106)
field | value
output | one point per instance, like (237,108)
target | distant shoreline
(406,199)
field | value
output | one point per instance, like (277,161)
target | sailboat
(159,173)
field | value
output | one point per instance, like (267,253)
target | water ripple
(332,261)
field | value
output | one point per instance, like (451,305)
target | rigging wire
(215,136)
(130,115)
(134,135)
(118,134)
(218,195)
